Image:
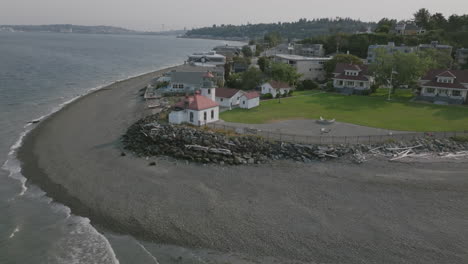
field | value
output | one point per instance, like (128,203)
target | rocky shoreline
(149,137)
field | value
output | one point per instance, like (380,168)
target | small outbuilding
(249,100)
(275,87)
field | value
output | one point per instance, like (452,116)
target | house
(390,48)
(198,109)
(435,45)
(227,97)
(183,82)
(408,29)
(311,68)
(275,87)
(444,86)
(249,100)
(352,79)
(207,58)
(217,71)
(308,50)
(461,57)
(228,51)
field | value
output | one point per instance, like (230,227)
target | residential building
(227,97)
(408,29)
(228,51)
(207,58)
(217,71)
(308,50)
(275,87)
(435,45)
(444,86)
(249,100)
(311,68)
(389,48)
(461,57)
(198,109)
(352,79)
(180,82)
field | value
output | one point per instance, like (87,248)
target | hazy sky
(176,14)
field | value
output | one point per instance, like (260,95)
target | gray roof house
(390,48)
(461,57)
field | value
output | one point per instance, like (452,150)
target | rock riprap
(148,137)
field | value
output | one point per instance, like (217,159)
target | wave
(13,166)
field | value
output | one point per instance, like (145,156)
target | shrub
(266,96)
(374,88)
(329,87)
(290,93)
(307,85)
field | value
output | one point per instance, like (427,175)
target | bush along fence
(326,139)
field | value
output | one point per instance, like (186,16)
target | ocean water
(39,73)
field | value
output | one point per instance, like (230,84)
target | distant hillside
(301,29)
(67,28)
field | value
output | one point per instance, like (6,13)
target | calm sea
(39,72)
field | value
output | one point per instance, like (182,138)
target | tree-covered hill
(300,29)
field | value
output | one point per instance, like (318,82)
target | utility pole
(391,83)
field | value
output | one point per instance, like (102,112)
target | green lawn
(373,111)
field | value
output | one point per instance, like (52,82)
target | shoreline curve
(323,212)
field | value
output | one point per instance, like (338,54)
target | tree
(284,72)
(272,38)
(247,51)
(385,25)
(251,79)
(263,63)
(438,59)
(401,68)
(438,21)
(340,58)
(422,18)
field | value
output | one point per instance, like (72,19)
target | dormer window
(351,73)
(445,80)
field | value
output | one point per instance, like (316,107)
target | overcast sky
(176,14)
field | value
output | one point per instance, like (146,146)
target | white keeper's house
(227,97)
(198,109)
(444,86)
(275,87)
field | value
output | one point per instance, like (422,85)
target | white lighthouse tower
(208,88)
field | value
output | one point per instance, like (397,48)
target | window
(209,91)
(243,102)
(430,90)
(204,115)
(361,84)
(456,93)
(222,99)
(191,117)
(212,114)
(350,83)
(340,82)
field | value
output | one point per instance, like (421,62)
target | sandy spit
(324,212)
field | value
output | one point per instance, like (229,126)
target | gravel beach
(322,212)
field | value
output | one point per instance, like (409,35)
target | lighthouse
(208,88)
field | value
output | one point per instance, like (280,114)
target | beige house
(444,86)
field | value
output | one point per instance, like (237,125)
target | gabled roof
(251,95)
(225,92)
(279,85)
(460,75)
(342,67)
(196,102)
(351,77)
(187,77)
(447,74)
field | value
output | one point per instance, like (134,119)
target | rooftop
(225,92)
(301,58)
(196,102)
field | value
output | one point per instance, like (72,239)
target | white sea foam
(13,166)
(14,232)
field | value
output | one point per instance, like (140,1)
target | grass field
(372,111)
